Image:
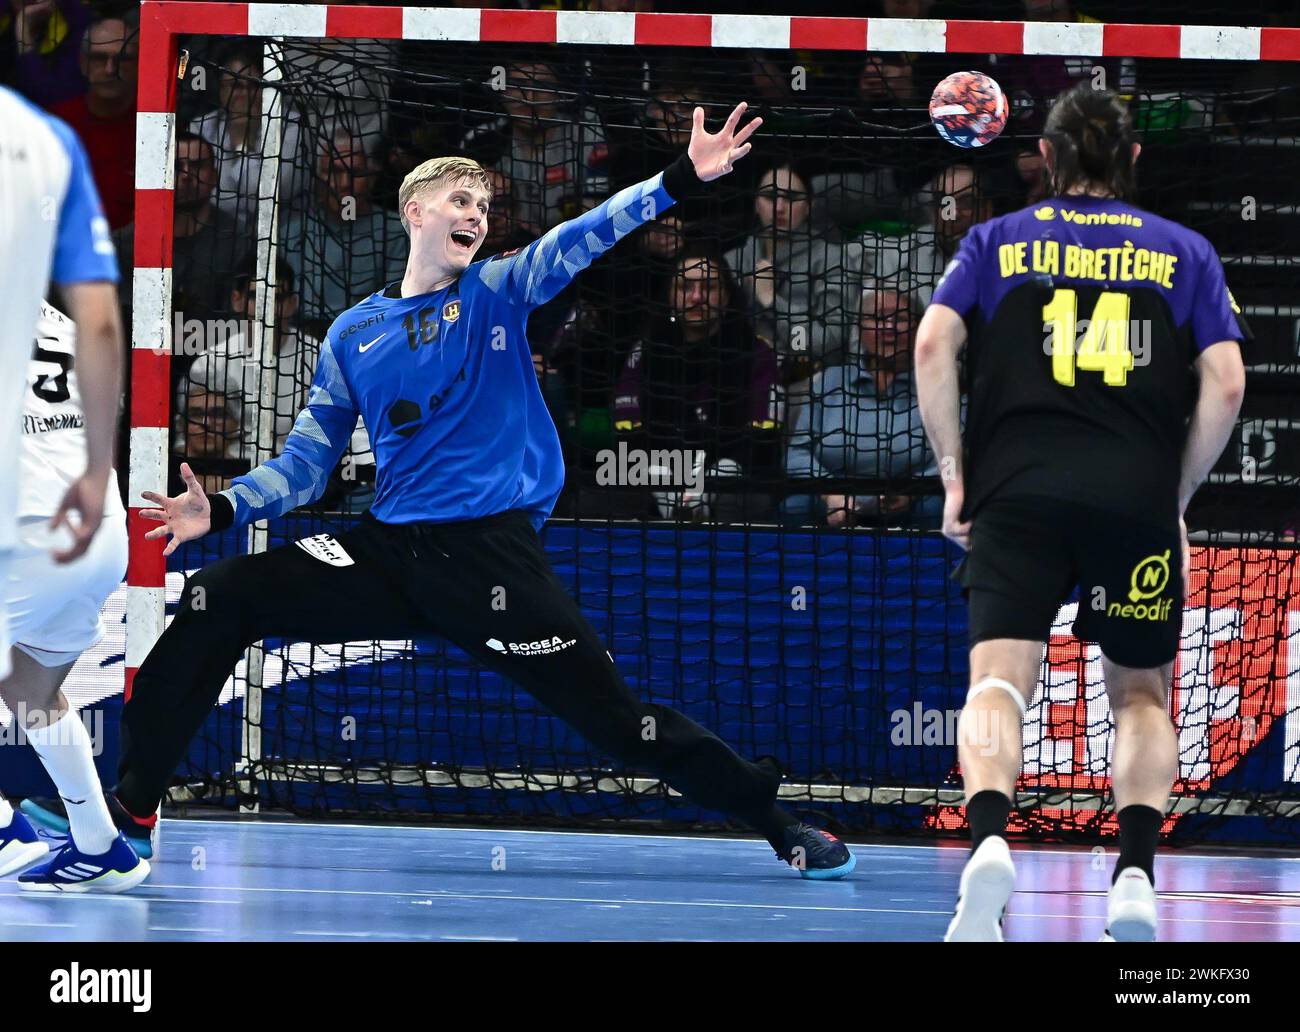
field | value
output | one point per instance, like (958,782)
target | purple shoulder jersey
(1094,240)
(1085,317)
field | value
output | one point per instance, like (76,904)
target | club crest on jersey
(451,311)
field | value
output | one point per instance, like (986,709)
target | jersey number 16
(1105,345)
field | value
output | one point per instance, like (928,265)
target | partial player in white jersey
(53,617)
(52,230)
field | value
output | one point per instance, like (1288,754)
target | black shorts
(1028,554)
(485,585)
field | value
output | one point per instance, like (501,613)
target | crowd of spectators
(766,331)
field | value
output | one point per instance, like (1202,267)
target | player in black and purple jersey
(1104,378)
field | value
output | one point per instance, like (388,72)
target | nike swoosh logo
(367,347)
(72,802)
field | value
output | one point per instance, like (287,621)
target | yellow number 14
(1104,348)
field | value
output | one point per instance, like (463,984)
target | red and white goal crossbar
(162,22)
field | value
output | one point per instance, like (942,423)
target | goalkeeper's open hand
(714,154)
(185,517)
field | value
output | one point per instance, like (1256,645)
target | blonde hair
(436,171)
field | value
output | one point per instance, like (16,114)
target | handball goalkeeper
(468,467)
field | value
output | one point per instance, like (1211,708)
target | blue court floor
(262,880)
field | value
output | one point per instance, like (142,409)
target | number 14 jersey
(1085,316)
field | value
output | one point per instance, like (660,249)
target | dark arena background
(750,516)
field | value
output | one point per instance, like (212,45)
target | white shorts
(53,609)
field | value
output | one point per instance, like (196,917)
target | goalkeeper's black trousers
(484,585)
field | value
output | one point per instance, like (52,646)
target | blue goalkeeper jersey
(446,386)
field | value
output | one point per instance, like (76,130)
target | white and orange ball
(968,109)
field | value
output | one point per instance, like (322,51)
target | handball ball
(969,109)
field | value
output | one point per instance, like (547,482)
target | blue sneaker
(71,870)
(20,846)
(51,814)
(815,853)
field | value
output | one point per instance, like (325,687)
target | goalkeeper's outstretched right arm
(297,476)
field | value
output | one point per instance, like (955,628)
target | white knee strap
(997,682)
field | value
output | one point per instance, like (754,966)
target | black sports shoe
(52,815)
(815,853)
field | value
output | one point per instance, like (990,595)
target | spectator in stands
(702,381)
(863,420)
(641,151)
(505,228)
(612,70)
(104,116)
(234,129)
(616,300)
(955,200)
(234,369)
(1031,182)
(46,48)
(802,287)
(887,85)
(207,428)
(642,274)
(350,85)
(429,114)
(670,106)
(344,246)
(207,245)
(854,193)
(1030,83)
(770,81)
(554,154)
(649,132)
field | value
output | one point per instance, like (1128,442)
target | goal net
(750,513)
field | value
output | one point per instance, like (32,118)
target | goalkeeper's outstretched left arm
(547,265)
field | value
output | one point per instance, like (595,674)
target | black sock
(133,806)
(1139,834)
(987,813)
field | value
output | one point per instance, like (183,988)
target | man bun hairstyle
(1091,133)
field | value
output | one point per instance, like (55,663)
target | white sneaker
(987,882)
(1131,910)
